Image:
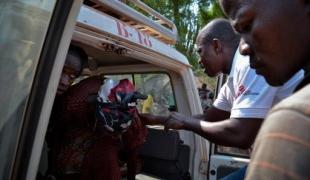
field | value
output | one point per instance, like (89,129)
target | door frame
(39,104)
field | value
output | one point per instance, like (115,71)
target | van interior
(164,155)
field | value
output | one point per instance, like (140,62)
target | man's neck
(229,63)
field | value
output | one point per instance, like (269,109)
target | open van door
(33,34)
(225,160)
(123,43)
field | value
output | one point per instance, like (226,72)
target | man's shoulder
(246,77)
(294,81)
(241,61)
(297,102)
(242,70)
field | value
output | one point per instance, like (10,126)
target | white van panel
(102,23)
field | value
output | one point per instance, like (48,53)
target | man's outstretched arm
(149,119)
(213,114)
(233,132)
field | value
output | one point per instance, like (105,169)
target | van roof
(107,29)
(150,21)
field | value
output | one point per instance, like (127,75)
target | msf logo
(241,90)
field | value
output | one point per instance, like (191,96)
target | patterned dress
(86,151)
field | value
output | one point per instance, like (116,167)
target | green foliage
(209,10)
(189,16)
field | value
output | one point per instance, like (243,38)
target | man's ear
(217,46)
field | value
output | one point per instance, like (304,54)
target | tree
(189,17)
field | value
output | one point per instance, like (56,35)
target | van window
(120,76)
(158,88)
(24,24)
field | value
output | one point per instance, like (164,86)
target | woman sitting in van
(89,147)
(75,60)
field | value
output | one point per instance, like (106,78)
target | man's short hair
(221,29)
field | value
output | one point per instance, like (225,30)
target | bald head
(216,45)
(220,29)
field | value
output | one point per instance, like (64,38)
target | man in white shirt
(242,104)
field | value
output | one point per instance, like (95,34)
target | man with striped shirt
(276,36)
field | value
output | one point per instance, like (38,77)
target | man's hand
(176,121)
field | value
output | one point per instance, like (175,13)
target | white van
(121,43)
